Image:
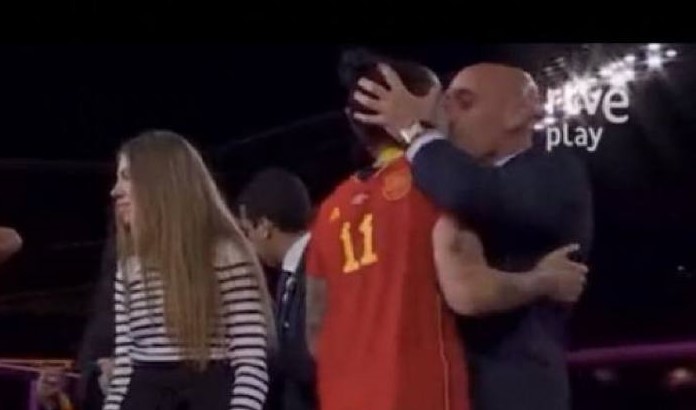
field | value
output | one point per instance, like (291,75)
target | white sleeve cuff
(427,138)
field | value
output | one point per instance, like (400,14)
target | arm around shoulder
(470,286)
(452,179)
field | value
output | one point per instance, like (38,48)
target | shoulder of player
(331,202)
(399,166)
(339,193)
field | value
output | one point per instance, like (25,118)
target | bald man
(520,200)
(10,243)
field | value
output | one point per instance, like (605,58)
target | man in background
(94,360)
(274,211)
(519,199)
(97,348)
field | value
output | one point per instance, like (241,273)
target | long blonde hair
(180,219)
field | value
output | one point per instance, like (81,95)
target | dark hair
(358,63)
(279,196)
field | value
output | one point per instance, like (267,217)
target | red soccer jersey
(388,341)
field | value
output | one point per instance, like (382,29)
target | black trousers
(171,386)
(91,397)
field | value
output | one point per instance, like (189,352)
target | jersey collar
(387,155)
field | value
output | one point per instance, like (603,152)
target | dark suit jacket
(536,202)
(293,384)
(296,364)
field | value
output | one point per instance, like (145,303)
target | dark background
(64,109)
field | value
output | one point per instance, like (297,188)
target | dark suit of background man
(98,340)
(522,202)
(275,211)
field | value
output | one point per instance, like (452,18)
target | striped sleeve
(245,327)
(118,385)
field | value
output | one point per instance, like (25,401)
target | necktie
(288,288)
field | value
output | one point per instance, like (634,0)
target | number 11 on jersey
(366,234)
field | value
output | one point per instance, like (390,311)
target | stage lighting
(654,61)
(617,80)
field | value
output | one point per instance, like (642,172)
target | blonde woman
(193,321)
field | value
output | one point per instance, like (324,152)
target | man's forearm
(470,285)
(315,306)
(481,290)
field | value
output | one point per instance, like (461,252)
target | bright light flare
(654,61)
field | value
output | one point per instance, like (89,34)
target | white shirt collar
(504,160)
(293,256)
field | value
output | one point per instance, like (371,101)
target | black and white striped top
(141,335)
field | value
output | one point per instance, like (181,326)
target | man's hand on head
(395,107)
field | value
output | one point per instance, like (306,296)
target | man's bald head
(491,77)
(492,108)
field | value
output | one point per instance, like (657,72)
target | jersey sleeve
(315,263)
(315,266)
